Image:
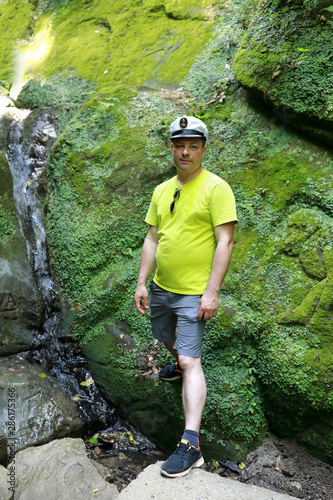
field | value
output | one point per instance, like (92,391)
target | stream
(113,441)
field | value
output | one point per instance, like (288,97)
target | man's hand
(208,306)
(141,299)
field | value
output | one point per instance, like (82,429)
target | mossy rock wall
(286,57)
(270,345)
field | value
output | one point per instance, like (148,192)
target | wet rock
(4,122)
(5,494)
(33,407)
(198,485)
(3,446)
(20,302)
(60,469)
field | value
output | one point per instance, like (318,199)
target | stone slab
(60,470)
(197,485)
(5,494)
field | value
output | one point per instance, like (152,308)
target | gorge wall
(259,74)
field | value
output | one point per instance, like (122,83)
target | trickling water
(27,155)
(26,167)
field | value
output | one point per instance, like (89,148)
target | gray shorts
(169,311)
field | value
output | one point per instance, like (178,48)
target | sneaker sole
(198,463)
(170,379)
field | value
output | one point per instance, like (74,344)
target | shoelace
(181,449)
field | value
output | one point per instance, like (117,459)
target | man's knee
(186,362)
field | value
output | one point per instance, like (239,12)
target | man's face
(188,153)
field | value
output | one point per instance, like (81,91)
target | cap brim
(187,133)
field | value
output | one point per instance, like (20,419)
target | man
(191,220)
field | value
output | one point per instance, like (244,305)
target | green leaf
(329,9)
(94,439)
(303,50)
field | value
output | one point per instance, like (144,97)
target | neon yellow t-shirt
(186,237)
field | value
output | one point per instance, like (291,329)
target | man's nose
(185,151)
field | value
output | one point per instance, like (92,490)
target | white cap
(188,126)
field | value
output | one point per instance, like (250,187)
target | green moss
(322,320)
(189,9)
(305,310)
(61,88)
(102,50)
(212,71)
(16,19)
(112,151)
(286,54)
(7,206)
(88,169)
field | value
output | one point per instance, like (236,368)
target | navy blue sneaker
(170,372)
(182,460)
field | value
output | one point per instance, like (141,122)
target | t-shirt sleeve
(222,205)
(151,217)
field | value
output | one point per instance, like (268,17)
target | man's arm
(210,299)
(147,264)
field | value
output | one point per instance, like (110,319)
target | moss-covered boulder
(286,57)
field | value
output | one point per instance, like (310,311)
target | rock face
(59,469)
(20,302)
(283,57)
(5,494)
(33,407)
(268,354)
(198,485)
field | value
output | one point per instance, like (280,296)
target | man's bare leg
(188,454)
(194,391)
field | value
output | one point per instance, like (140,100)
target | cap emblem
(183,122)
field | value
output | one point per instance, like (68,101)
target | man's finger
(139,306)
(200,314)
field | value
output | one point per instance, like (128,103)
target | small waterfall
(26,167)
(30,137)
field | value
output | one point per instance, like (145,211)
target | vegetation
(7,208)
(270,345)
(287,55)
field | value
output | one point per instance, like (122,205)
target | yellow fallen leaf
(95,490)
(241,466)
(87,382)
(42,375)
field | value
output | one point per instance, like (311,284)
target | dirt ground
(284,466)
